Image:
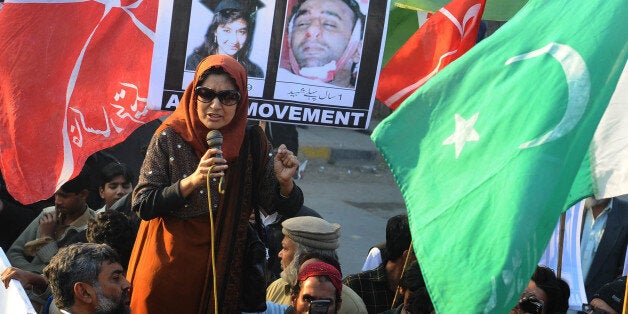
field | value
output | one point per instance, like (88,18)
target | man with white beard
(303,235)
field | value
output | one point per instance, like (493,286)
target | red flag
(73,80)
(444,37)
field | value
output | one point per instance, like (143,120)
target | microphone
(214,140)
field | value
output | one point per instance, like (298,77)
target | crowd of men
(58,248)
(72,259)
(71,256)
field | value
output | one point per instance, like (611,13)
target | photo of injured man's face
(325,41)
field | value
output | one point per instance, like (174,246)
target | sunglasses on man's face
(588,309)
(529,303)
(226,97)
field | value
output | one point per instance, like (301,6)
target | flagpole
(626,299)
(405,264)
(561,240)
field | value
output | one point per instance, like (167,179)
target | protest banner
(13,299)
(329,82)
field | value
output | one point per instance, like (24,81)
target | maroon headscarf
(185,121)
(322,269)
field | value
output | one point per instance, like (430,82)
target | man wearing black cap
(377,287)
(609,298)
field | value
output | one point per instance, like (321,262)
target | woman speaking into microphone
(189,217)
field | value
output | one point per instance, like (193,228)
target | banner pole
(403,270)
(626,299)
(561,240)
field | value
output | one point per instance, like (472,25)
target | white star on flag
(464,133)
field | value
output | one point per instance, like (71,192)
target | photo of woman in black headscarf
(230,33)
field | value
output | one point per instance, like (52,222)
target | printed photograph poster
(309,62)
(229,27)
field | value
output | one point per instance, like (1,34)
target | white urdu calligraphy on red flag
(74,79)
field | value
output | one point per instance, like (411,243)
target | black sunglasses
(530,304)
(226,97)
(588,308)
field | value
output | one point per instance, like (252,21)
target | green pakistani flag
(492,149)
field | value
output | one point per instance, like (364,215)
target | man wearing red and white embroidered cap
(318,289)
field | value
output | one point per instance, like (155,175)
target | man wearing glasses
(607,300)
(545,293)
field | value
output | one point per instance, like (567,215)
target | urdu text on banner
(302,68)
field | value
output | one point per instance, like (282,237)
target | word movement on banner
(299,71)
